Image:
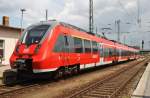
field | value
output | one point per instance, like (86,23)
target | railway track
(110,86)
(11,89)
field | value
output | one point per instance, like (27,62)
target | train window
(59,46)
(122,53)
(94,46)
(78,45)
(71,44)
(126,53)
(106,52)
(113,52)
(34,34)
(117,52)
(87,46)
(110,52)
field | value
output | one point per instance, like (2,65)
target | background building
(8,38)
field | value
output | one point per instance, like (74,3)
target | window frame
(60,49)
(87,46)
(94,47)
(78,42)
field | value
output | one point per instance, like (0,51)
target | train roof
(55,22)
(75,27)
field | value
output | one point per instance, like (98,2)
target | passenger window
(59,46)
(94,46)
(117,52)
(110,52)
(87,46)
(71,44)
(106,52)
(78,45)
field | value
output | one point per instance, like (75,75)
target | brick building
(8,38)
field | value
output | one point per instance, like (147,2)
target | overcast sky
(76,12)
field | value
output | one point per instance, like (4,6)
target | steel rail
(109,86)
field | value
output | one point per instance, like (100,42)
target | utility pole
(96,32)
(22,12)
(118,30)
(91,20)
(149,43)
(142,44)
(46,15)
(138,16)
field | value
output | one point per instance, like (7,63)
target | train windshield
(34,34)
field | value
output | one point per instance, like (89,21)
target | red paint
(45,58)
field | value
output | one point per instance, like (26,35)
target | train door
(101,53)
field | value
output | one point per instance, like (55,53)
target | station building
(8,39)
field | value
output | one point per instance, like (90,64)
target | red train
(62,48)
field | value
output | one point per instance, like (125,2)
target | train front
(28,52)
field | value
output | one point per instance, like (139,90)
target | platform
(143,87)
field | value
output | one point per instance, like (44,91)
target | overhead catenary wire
(126,11)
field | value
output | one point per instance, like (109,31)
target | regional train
(61,48)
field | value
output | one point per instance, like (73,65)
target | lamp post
(118,30)
(91,19)
(149,43)
(22,12)
(46,15)
(142,44)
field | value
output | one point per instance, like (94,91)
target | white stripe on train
(83,66)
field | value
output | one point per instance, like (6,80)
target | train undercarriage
(23,71)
